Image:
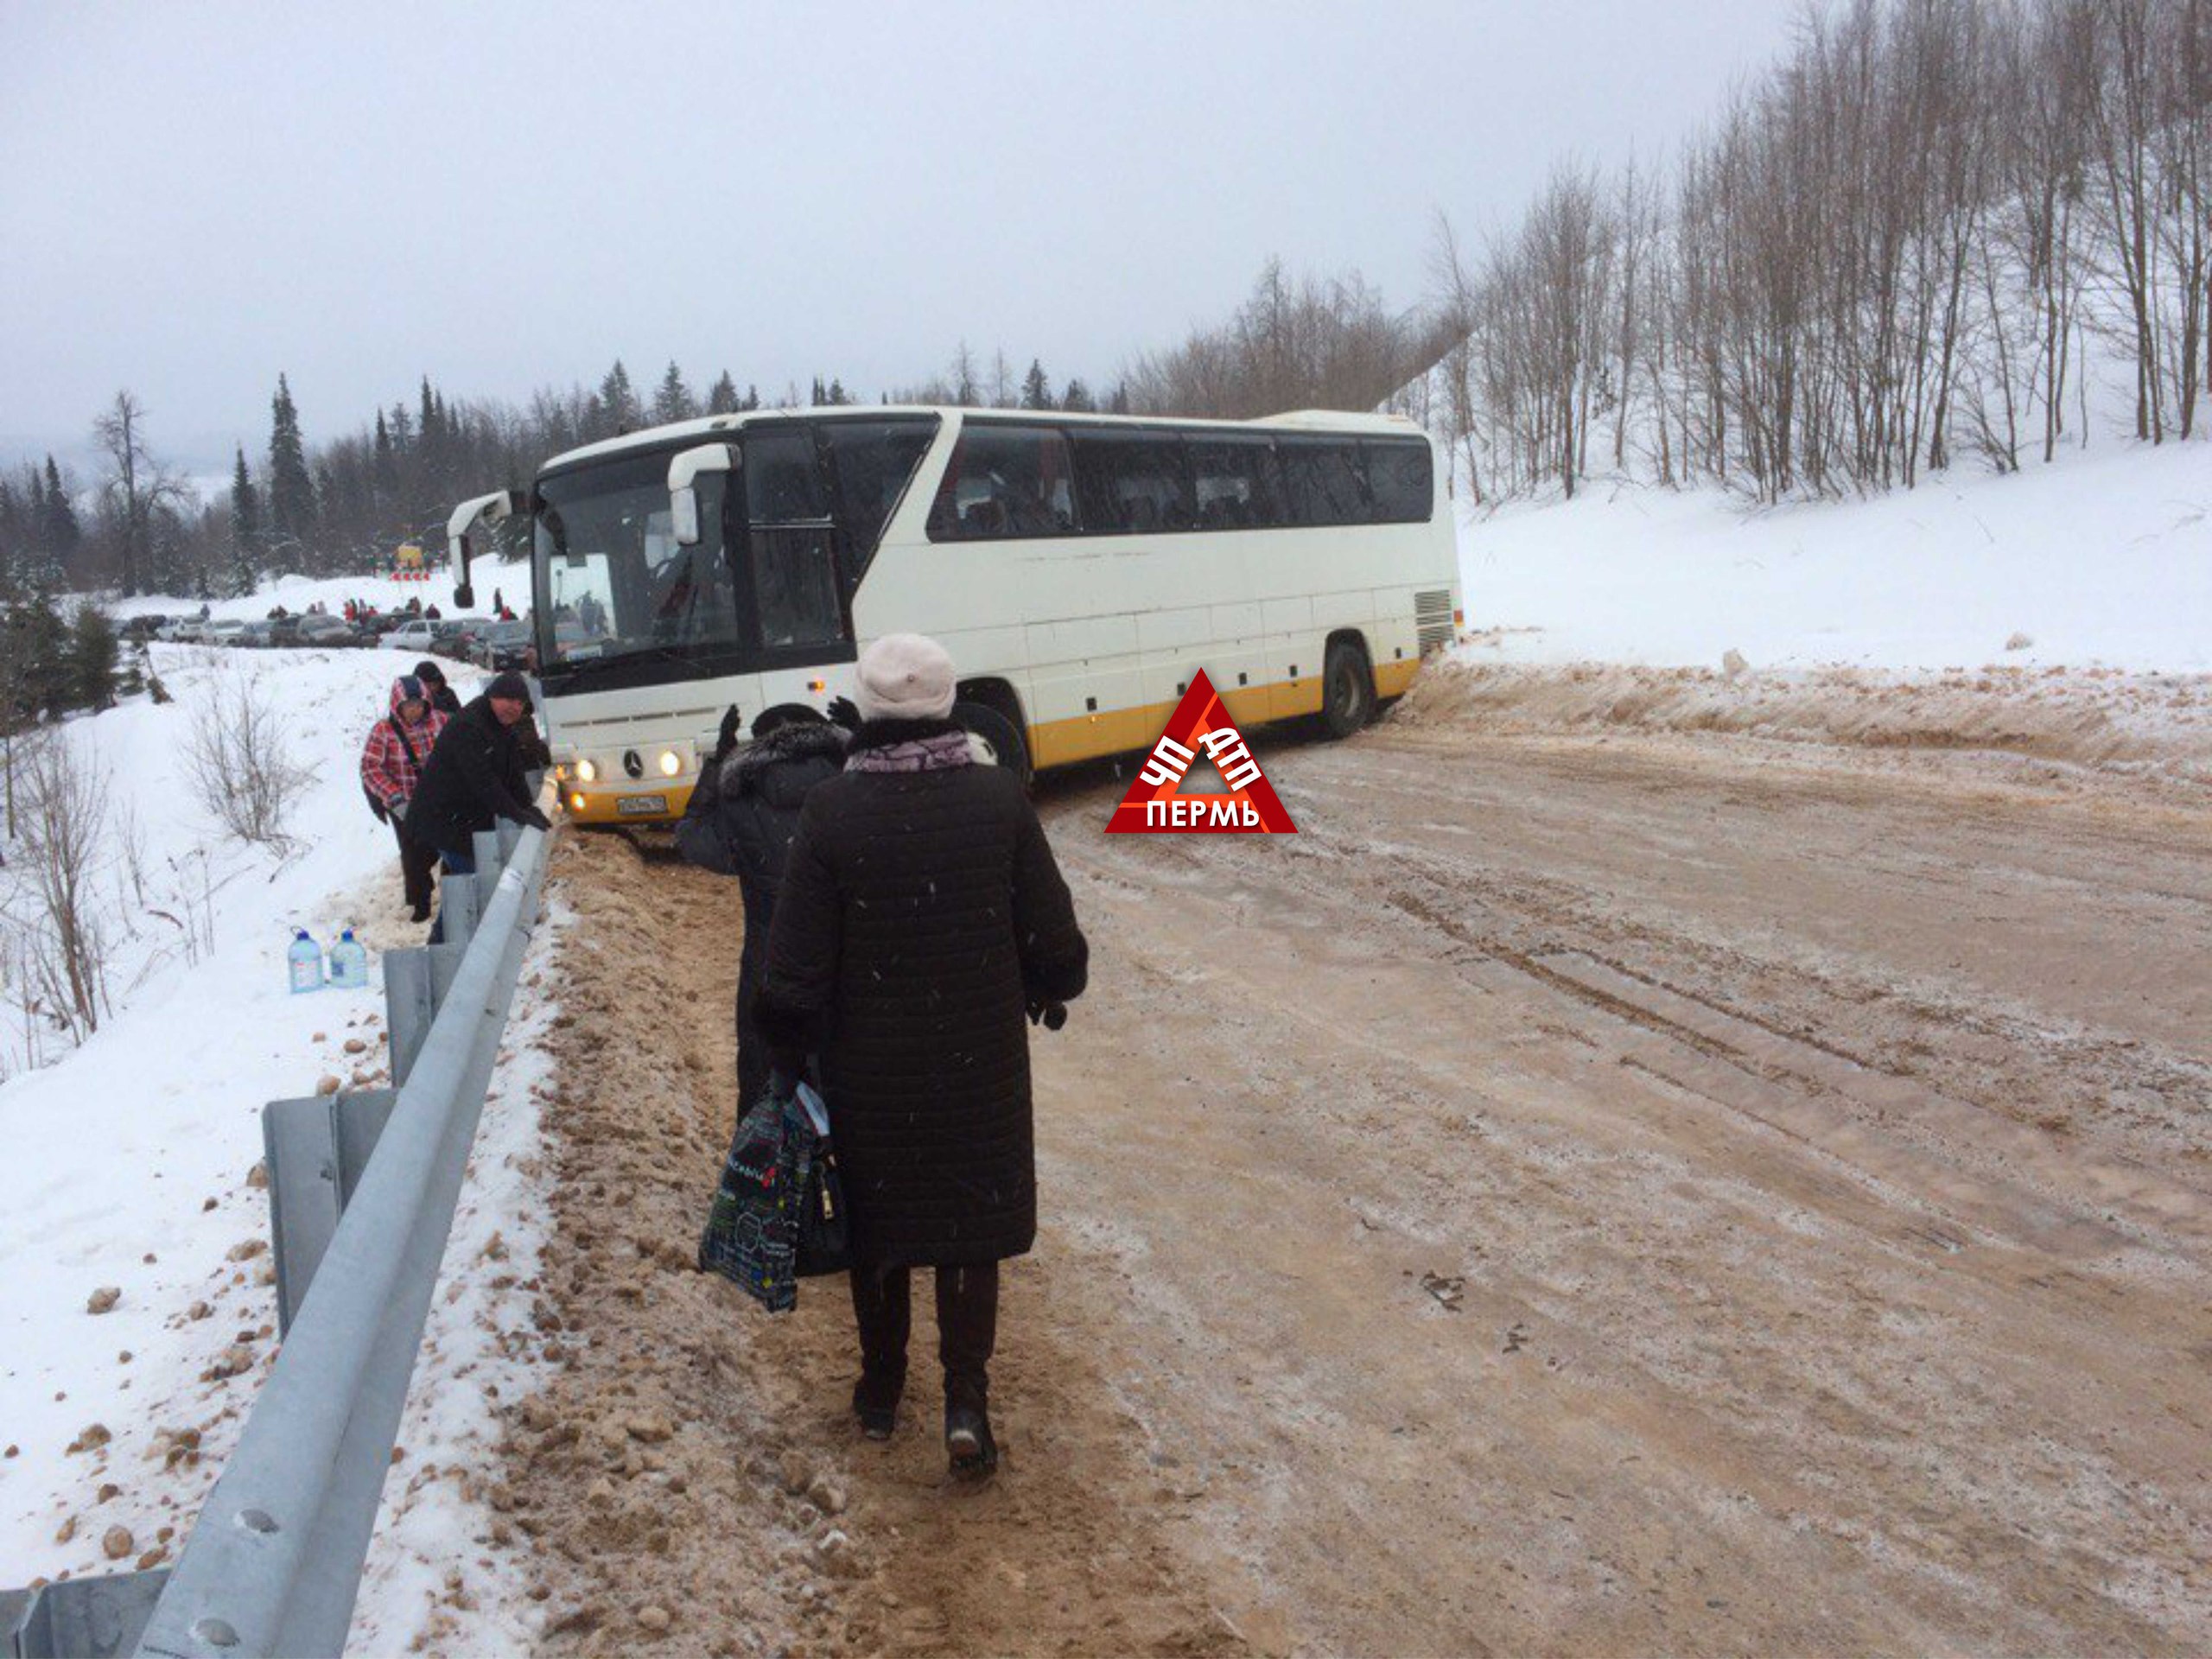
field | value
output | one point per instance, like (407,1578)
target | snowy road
(1578,1195)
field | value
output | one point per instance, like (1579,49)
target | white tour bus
(1079,569)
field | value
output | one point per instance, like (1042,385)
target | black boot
(968,1442)
(877,1409)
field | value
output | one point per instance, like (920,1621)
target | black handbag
(825,1226)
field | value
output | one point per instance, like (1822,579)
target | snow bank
(2103,560)
(133,1158)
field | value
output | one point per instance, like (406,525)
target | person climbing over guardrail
(474,776)
(741,822)
(392,760)
(922,915)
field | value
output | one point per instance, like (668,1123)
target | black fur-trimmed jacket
(921,913)
(741,822)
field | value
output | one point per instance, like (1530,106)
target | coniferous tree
(1077,398)
(89,664)
(63,535)
(752,399)
(291,489)
(672,399)
(817,394)
(838,395)
(1036,390)
(721,397)
(245,528)
(620,407)
(13,520)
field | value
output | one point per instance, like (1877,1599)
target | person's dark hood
(762,767)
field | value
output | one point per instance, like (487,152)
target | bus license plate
(640,806)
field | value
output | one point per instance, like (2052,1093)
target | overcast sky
(507,196)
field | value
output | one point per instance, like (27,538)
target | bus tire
(1347,689)
(998,732)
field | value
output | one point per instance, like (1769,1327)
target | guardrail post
(491,858)
(83,1619)
(317,1149)
(415,984)
(460,905)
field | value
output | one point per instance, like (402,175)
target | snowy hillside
(137,1312)
(2104,560)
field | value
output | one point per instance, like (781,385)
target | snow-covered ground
(2102,560)
(133,1158)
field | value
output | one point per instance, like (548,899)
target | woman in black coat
(740,821)
(922,918)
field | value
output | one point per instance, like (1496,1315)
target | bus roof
(652,437)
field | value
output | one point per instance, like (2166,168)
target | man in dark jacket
(434,682)
(474,777)
(741,822)
(922,914)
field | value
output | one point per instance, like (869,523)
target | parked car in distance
(502,646)
(139,629)
(416,635)
(253,636)
(224,633)
(327,630)
(284,630)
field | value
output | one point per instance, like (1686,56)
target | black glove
(844,712)
(726,734)
(1049,1014)
(537,820)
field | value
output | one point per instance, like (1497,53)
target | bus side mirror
(683,469)
(484,509)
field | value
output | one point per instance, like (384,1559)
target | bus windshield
(612,581)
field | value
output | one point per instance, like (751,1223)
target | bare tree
(65,831)
(239,759)
(137,489)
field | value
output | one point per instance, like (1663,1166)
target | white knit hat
(905,677)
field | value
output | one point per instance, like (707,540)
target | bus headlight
(576,803)
(587,772)
(670,763)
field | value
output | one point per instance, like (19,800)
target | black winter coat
(740,823)
(472,779)
(921,913)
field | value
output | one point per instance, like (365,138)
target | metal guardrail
(273,1564)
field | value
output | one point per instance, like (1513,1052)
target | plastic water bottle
(349,963)
(306,957)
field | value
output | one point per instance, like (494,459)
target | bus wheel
(1347,691)
(997,733)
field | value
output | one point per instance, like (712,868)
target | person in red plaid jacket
(391,764)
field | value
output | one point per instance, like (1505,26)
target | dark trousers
(454,864)
(416,863)
(967,1326)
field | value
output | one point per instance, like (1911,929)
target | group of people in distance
(438,771)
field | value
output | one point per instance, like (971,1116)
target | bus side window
(1401,477)
(875,460)
(1238,483)
(1004,480)
(1134,482)
(1326,487)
